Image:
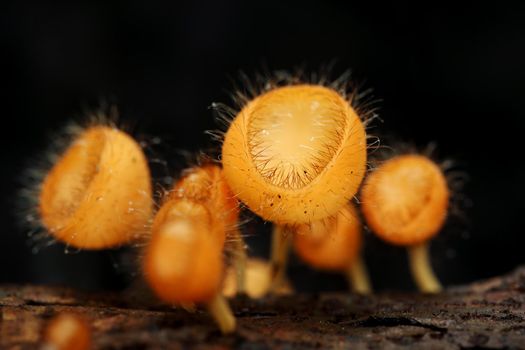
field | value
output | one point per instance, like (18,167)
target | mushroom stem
(222,314)
(239,260)
(421,269)
(279,256)
(357,276)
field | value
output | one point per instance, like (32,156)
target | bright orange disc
(183,261)
(405,200)
(331,244)
(98,194)
(295,154)
(67,332)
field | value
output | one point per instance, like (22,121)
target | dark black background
(453,75)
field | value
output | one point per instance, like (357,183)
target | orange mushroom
(98,193)
(405,203)
(67,331)
(294,155)
(206,184)
(334,244)
(184,263)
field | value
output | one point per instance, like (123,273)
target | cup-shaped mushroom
(98,193)
(295,154)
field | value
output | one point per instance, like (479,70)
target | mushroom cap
(295,154)
(206,185)
(67,331)
(183,261)
(331,244)
(405,200)
(98,193)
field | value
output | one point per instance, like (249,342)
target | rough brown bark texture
(488,314)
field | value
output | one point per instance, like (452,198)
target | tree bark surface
(484,315)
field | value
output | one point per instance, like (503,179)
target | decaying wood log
(488,314)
